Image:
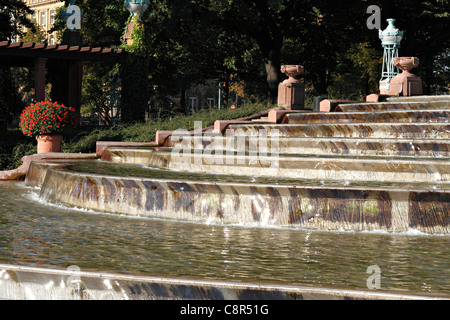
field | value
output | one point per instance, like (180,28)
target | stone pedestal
(384,84)
(406,83)
(72,38)
(291,92)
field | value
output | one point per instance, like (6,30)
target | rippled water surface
(39,234)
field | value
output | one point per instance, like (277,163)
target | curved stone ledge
(21,171)
(31,283)
(346,208)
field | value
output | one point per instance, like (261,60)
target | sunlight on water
(38,234)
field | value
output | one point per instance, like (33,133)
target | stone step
(395,105)
(398,116)
(346,130)
(335,168)
(318,146)
(262,119)
(418,98)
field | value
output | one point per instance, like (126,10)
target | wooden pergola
(64,64)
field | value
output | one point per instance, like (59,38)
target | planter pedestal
(406,83)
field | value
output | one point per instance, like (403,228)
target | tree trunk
(134,97)
(320,82)
(226,91)
(183,98)
(10,102)
(428,73)
(273,77)
(270,41)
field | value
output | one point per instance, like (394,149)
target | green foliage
(139,45)
(19,151)
(36,34)
(13,146)
(98,82)
(441,73)
(145,132)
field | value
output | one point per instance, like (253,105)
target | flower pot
(48,143)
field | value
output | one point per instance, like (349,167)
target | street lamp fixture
(137,7)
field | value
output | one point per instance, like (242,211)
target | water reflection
(34,233)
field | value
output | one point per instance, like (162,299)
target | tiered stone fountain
(370,166)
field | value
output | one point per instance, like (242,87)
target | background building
(45,15)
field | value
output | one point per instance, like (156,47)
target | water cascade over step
(370,166)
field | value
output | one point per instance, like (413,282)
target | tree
(192,47)
(263,22)
(13,13)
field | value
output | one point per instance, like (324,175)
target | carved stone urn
(292,71)
(406,83)
(406,63)
(291,92)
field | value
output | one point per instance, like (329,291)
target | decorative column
(291,92)
(39,79)
(390,40)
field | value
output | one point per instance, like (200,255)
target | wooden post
(39,78)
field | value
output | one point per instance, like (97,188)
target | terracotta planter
(48,143)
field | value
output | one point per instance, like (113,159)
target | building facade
(44,15)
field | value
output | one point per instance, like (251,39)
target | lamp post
(134,65)
(390,40)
